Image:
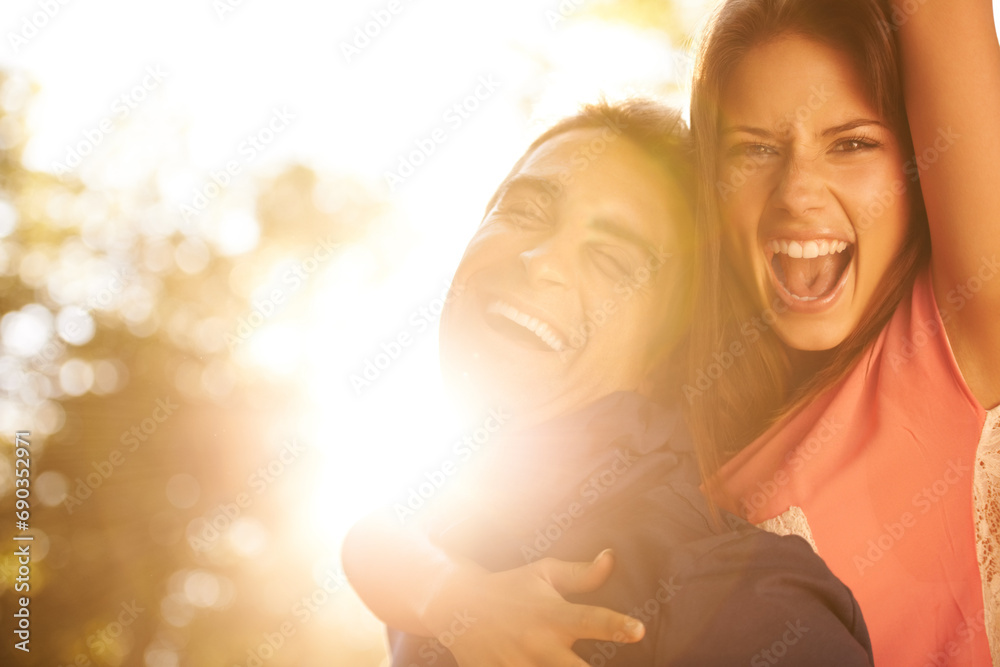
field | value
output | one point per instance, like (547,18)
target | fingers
(583,621)
(569,578)
(587,622)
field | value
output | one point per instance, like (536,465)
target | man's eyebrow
(539,183)
(614,228)
(748,129)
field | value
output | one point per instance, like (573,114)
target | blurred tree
(147,426)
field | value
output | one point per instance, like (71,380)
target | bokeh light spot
(76,377)
(51,487)
(238,232)
(26,331)
(75,325)
(247,536)
(183,491)
(8,218)
(202,588)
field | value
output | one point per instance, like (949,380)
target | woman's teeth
(808,249)
(541,329)
(811,269)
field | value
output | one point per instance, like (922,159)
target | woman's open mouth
(809,275)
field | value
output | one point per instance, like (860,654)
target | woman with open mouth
(850,400)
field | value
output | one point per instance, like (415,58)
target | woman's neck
(805,364)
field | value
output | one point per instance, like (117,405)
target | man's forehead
(565,144)
(631,192)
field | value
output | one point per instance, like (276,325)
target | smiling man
(578,252)
(572,296)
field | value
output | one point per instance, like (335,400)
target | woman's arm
(951,74)
(518,617)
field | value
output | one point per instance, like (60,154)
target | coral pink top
(882,468)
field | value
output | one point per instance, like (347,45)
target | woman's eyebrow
(851,125)
(837,129)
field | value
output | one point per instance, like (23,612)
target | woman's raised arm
(951,74)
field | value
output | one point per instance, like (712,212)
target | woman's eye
(854,145)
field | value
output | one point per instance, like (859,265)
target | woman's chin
(817,335)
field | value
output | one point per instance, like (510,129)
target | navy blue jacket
(623,474)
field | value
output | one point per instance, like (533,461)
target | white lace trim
(791,522)
(986,506)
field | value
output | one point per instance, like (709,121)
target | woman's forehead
(794,78)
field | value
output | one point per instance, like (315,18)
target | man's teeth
(808,249)
(532,324)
